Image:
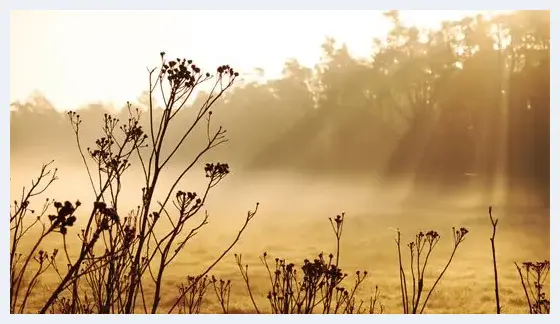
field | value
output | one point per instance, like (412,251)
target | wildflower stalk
(494,223)
(422,241)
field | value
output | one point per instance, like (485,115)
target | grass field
(368,244)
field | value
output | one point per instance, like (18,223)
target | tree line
(465,104)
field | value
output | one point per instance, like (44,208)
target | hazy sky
(78,57)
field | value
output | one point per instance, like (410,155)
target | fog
(292,222)
(422,136)
(282,196)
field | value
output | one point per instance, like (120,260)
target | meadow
(293,225)
(414,181)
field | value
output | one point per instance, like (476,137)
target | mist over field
(292,223)
(429,132)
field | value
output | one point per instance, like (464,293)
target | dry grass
(368,244)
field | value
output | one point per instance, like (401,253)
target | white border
(286,4)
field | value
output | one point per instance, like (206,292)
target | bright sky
(79,57)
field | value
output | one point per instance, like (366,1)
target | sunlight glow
(75,58)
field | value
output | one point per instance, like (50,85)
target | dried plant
(533,276)
(244,270)
(318,287)
(222,289)
(192,294)
(118,257)
(494,223)
(420,251)
(36,225)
